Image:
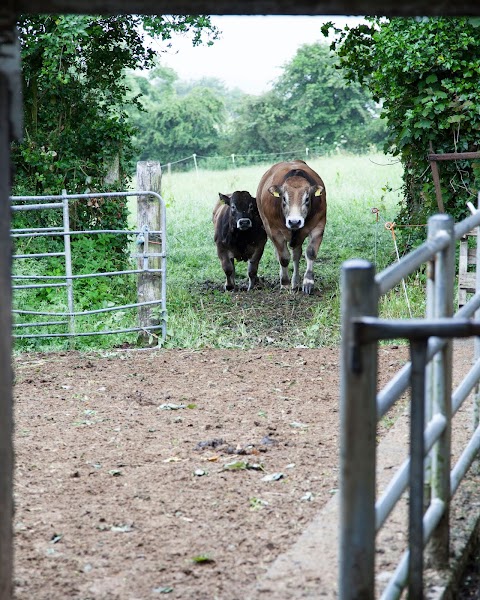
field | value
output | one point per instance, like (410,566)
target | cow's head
(296,198)
(243,209)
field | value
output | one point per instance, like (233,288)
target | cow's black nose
(244,223)
(294,223)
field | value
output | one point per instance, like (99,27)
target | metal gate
(67,319)
(427,471)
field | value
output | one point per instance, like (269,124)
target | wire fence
(232,161)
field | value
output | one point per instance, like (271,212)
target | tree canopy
(311,105)
(75,93)
(76,101)
(171,126)
(426,73)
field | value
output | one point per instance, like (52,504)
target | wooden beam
(436,181)
(253,7)
(433,158)
(454,156)
(6,416)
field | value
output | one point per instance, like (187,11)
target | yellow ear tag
(276,194)
(318,192)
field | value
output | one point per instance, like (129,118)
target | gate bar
(399,481)
(464,462)
(42,255)
(395,586)
(68,261)
(466,386)
(418,354)
(87,275)
(369,329)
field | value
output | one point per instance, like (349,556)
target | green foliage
(76,122)
(311,105)
(426,72)
(75,97)
(171,127)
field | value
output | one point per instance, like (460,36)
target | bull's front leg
(311,252)
(296,254)
(283,256)
(253,267)
(228,267)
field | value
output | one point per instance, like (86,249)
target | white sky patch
(251,50)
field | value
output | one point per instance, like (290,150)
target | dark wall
(253,7)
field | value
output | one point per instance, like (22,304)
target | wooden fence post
(149,178)
(11,128)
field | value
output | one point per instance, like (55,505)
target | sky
(251,50)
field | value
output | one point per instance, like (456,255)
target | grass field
(201,314)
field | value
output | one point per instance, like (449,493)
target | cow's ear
(225,198)
(318,190)
(275,191)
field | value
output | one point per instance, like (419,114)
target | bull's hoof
(307,287)
(229,288)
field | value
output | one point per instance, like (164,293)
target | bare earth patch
(142,473)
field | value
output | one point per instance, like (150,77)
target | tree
(260,127)
(426,71)
(171,127)
(75,99)
(311,105)
(328,111)
(75,93)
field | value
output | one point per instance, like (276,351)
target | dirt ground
(170,472)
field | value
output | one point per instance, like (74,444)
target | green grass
(201,314)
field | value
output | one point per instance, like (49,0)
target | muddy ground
(172,472)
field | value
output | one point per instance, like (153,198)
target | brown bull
(292,203)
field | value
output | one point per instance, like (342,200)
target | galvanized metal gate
(432,409)
(66,282)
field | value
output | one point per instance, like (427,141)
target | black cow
(239,235)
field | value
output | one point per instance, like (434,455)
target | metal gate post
(358,419)
(476,399)
(430,375)
(68,263)
(442,386)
